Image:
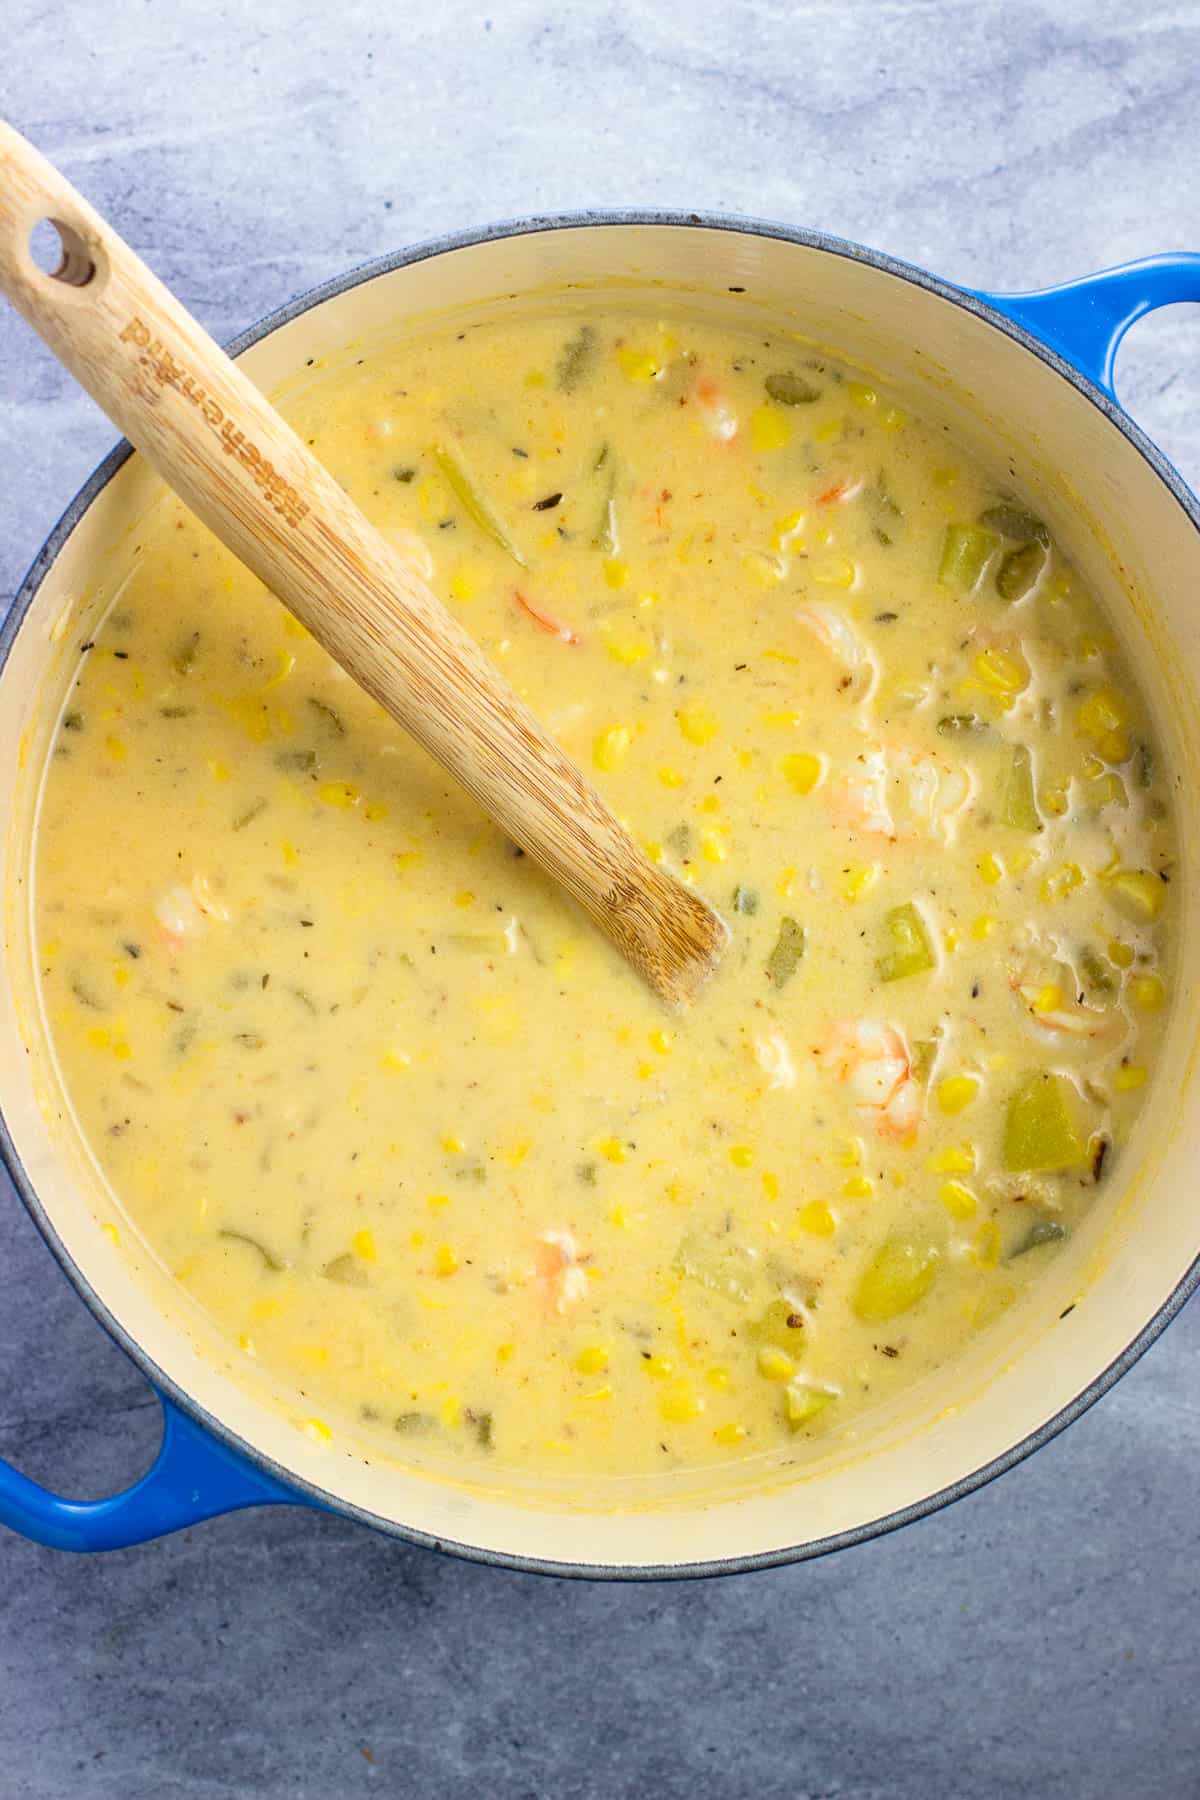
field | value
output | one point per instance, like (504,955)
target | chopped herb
(185,656)
(406,472)
(680,838)
(328,713)
(270,1261)
(958,724)
(1143,765)
(790,389)
(1100,1150)
(786,957)
(85,996)
(585,1173)
(304,762)
(578,359)
(414,1424)
(481,1425)
(249,1040)
(176,712)
(252,812)
(745,900)
(549,503)
(346,1270)
(1095,970)
(73,721)
(133,950)
(886,618)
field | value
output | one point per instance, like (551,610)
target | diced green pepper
(907,948)
(1039,1130)
(1019,570)
(718,1264)
(745,900)
(782,1326)
(802,1402)
(785,958)
(1095,972)
(269,1259)
(346,1270)
(791,390)
(962,725)
(578,359)
(1019,807)
(1042,1231)
(924,1055)
(1014,522)
(965,552)
(900,1273)
(475,502)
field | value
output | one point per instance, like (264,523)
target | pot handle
(193,1477)
(1085,320)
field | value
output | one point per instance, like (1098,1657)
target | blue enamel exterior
(197,1476)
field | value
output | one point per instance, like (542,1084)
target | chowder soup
(400,1120)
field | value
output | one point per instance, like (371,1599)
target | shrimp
(900,793)
(874,1059)
(183,912)
(1043,1004)
(834,632)
(718,420)
(561,1275)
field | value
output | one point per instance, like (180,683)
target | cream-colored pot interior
(1133,538)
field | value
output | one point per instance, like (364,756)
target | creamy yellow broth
(398,1118)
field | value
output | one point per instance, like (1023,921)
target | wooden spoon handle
(225,451)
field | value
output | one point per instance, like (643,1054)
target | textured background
(1040,1639)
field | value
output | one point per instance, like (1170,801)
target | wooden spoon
(215,440)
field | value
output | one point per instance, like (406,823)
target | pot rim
(469,238)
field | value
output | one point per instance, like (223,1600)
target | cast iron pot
(1023,377)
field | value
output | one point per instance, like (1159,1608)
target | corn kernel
(788,527)
(465,582)
(986,1253)
(1061,881)
(453,1146)
(628,650)
(117,750)
(437,1202)
(1147,993)
(638,365)
(659,1368)
(894,419)
(848,1152)
(364,1244)
(833,571)
(661,1041)
(671,778)
(816,1219)
(405,859)
(621,1217)
(958,1199)
(955,1159)
(990,868)
(775,1364)
(110,1231)
(770,1184)
(611,746)
(859,877)
(713,847)
(1048,999)
(395,1061)
(616,572)
(1104,717)
(342,794)
(770,428)
(505,1353)
(741,1156)
(1002,673)
(680,1403)
(858,1187)
(611,1149)
(444,1262)
(861,395)
(1129,1077)
(1120,954)
(785,887)
(733,1433)
(317,1430)
(983,925)
(956,1092)
(718,1378)
(593,1360)
(1137,893)
(517,1151)
(698,723)
(803,770)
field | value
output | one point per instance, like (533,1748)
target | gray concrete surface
(1042,1638)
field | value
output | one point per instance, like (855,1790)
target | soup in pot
(399,1119)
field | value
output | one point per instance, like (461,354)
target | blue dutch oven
(1026,376)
